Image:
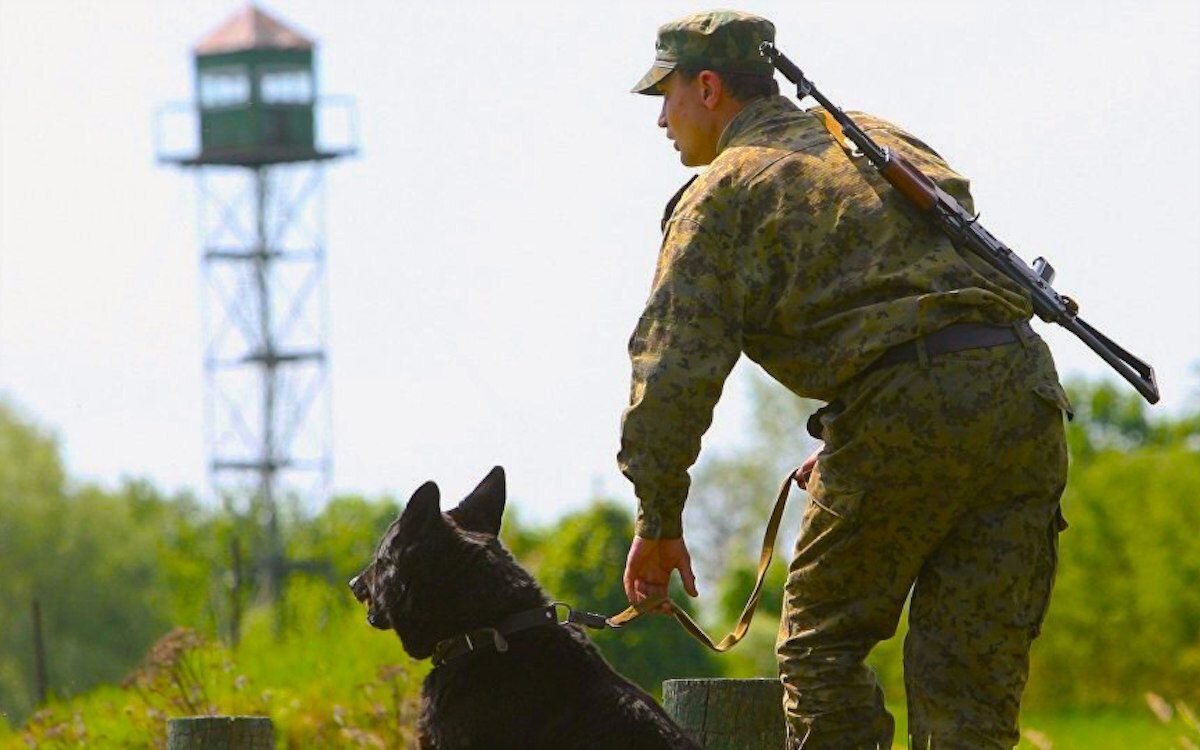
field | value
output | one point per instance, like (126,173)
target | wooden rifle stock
(910,181)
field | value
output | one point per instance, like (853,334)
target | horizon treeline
(113,571)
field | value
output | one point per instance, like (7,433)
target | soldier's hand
(648,569)
(806,469)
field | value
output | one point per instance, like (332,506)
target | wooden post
(235,592)
(728,714)
(39,655)
(221,733)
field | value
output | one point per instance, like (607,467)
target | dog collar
(483,638)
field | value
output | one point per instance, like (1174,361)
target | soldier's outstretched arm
(686,342)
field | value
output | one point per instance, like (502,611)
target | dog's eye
(393,582)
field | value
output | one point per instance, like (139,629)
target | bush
(1125,616)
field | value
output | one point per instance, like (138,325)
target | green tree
(581,563)
(342,537)
(31,495)
(755,655)
(92,560)
(732,492)
(1114,417)
(1125,615)
(325,551)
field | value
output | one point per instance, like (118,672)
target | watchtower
(257,136)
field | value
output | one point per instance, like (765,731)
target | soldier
(944,456)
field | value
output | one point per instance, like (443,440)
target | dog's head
(439,574)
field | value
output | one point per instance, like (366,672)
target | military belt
(958,337)
(953,338)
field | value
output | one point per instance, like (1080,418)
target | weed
(1179,716)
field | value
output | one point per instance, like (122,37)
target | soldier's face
(688,120)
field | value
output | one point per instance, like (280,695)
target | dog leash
(621,619)
(552,614)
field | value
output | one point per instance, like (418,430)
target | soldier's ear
(711,89)
(422,511)
(482,510)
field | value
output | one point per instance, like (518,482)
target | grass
(1104,729)
(1096,730)
(341,684)
(1065,730)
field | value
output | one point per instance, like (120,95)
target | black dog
(507,674)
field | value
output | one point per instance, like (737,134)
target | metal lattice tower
(260,175)
(267,395)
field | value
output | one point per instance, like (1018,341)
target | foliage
(732,493)
(1113,418)
(582,562)
(1125,618)
(755,655)
(93,561)
(115,570)
(1180,717)
(344,534)
(330,680)
(332,685)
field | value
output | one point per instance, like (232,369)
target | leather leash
(494,638)
(739,631)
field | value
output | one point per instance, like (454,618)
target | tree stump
(221,733)
(728,714)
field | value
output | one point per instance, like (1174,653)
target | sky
(491,246)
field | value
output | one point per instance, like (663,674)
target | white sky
(490,250)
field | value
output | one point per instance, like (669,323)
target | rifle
(964,230)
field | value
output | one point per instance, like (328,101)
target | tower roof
(252,28)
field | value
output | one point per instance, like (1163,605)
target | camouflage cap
(722,40)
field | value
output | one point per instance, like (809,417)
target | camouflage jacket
(802,257)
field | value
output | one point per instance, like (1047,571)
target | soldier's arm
(685,344)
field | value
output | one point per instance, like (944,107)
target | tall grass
(1179,717)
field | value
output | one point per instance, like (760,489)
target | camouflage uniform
(944,472)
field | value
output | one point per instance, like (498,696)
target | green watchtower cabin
(255,91)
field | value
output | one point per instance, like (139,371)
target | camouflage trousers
(941,478)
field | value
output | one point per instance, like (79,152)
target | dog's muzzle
(362,592)
(358,587)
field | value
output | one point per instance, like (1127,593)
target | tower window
(286,87)
(224,87)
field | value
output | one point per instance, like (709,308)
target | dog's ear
(422,510)
(481,510)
